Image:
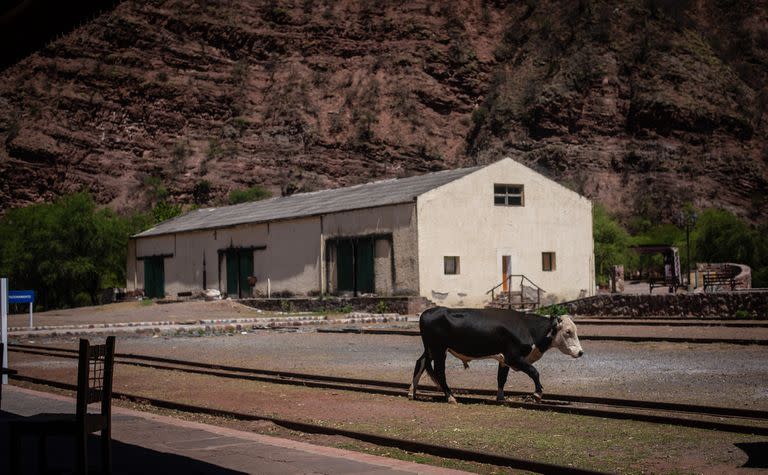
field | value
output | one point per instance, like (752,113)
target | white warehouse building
(450,236)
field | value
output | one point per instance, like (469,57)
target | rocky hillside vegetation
(642,105)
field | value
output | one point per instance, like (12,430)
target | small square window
(508,195)
(548,261)
(451,265)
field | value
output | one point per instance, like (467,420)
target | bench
(714,280)
(671,284)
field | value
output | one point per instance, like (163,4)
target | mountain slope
(643,105)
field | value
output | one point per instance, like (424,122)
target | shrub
(742,314)
(382,307)
(553,310)
(254,193)
(201,193)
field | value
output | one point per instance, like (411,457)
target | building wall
(293,256)
(460,219)
(399,221)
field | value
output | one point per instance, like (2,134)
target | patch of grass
(146,302)
(742,314)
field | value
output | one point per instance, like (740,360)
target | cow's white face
(566,339)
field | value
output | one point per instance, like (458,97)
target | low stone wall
(707,305)
(401,305)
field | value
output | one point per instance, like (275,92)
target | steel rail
(663,323)
(402,444)
(465,395)
(631,339)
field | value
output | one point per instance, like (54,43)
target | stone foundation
(707,305)
(401,305)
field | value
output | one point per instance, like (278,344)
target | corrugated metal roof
(378,193)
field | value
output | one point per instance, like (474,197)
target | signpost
(23,296)
(4,321)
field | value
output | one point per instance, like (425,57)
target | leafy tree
(67,250)
(721,236)
(254,193)
(164,211)
(611,242)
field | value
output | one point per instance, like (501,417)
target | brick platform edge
(401,305)
(712,305)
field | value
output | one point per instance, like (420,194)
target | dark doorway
(354,264)
(239,268)
(154,277)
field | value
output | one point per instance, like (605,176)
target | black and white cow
(515,339)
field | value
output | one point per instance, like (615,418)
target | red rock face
(642,105)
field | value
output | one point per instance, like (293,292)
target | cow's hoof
(537,397)
(452,400)
(410,396)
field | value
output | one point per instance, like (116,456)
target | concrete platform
(149,443)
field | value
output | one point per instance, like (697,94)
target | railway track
(627,338)
(380,440)
(745,421)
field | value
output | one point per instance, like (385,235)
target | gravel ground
(135,311)
(714,374)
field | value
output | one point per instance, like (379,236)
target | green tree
(164,211)
(720,236)
(67,250)
(611,242)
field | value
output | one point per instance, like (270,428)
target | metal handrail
(509,278)
(523,278)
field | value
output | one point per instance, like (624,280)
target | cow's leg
(421,364)
(501,378)
(440,375)
(519,363)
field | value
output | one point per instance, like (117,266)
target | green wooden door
(232,280)
(364,266)
(246,270)
(345,266)
(154,277)
(239,268)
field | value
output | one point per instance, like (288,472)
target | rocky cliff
(642,105)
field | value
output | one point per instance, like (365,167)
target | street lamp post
(688,219)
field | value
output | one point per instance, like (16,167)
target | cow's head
(566,339)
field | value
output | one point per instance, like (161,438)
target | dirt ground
(715,374)
(708,374)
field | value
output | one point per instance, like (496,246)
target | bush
(201,193)
(382,307)
(254,193)
(556,310)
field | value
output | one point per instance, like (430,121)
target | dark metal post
(688,255)
(688,219)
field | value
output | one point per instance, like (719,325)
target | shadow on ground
(757,453)
(127,458)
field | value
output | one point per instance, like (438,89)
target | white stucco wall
(292,258)
(460,219)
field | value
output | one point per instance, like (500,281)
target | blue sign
(21,296)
